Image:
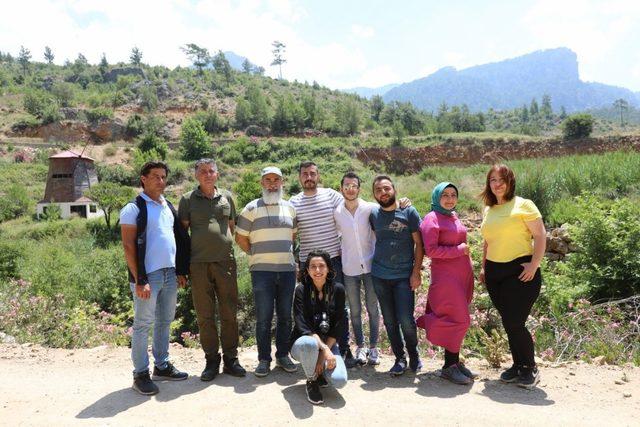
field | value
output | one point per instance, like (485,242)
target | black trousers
(514,298)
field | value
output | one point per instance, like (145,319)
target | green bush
(247,189)
(117,174)
(54,321)
(101,113)
(211,122)
(577,126)
(194,140)
(15,202)
(10,253)
(608,235)
(149,141)
(64,93)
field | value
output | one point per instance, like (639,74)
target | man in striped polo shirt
(266,231)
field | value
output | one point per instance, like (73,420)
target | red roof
(69,155)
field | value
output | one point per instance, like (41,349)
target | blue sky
(340,44)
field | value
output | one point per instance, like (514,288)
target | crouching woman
(318,312)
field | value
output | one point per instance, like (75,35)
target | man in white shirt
(357,247)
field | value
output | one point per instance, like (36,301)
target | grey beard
(271,198)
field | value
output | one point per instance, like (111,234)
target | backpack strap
(141,239)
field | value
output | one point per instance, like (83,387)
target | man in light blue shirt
(153,249)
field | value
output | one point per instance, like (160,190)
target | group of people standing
(347,247)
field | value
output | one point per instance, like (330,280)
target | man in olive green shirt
(210,214)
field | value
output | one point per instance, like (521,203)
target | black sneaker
(322,381)
(510,375)
(313,392)
(529,378)
(349,360)
(233,367)
(467,372)
(169,373)
(142,384)
(211,369)
(399,367)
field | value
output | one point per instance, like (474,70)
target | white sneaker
(361,355)
(374,357)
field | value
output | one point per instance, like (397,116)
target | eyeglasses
(351,187)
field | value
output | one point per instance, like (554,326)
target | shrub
(52,321)
(134,126)
(211,122)
(247,189)
(608,235)
(10,254)
(194,140)
(577,126)
(96,114)
(15,203)
(117,174)
(110,150)
(64,93)
(150,141)
(36,102)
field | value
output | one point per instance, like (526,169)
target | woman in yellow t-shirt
(514,244)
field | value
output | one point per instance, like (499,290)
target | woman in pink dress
(446,317)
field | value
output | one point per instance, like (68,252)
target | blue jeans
(305,350)
(353,288)
(397,304)
(270,286)
(158,311)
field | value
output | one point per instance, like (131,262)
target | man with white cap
(266,230)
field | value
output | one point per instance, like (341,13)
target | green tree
(621,105)
(150,141)
(110,197)
(577,126)
(199,56)
(348,116)
(397,134)
(248,188)
(194,140)
(377,105)
(546,110)
(136,57)
(258,106)
(247,66)
(24,58)
(211,121)
(533,108)
(278,55)
(222,66)
(48,55)
(283,118)
(64,93)
(243,114)
(103,66)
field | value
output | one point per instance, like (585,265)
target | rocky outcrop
(74,131)
(405,160)
(559,243)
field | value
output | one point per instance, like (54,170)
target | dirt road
(53,387)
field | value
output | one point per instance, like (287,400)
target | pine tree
(48,55)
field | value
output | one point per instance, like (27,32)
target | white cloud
(362,31)
(159,28)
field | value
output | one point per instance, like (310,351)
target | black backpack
(183,243)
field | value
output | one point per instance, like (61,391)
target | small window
(62,175)
(93,209)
